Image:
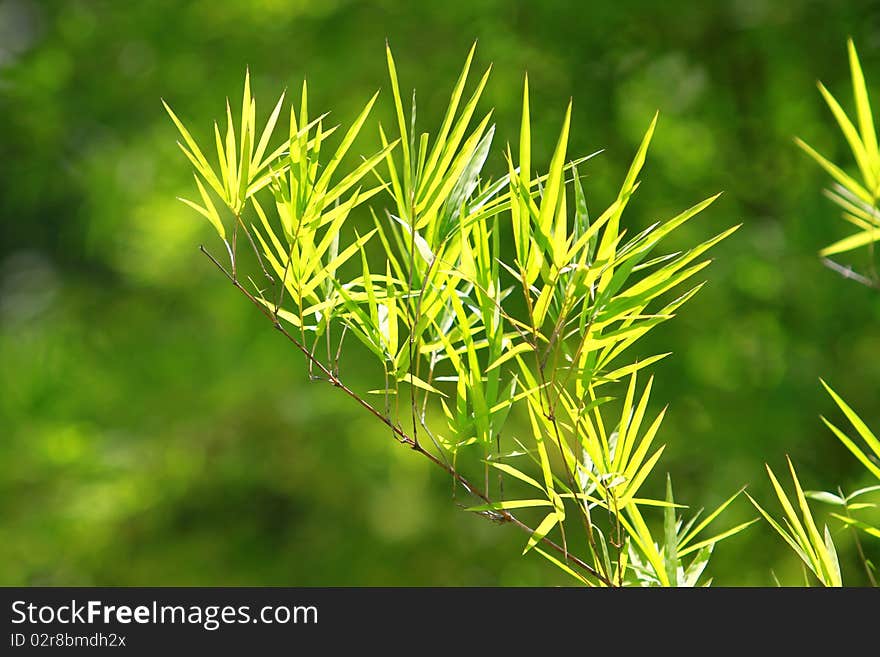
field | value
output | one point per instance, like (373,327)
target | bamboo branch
(399,433)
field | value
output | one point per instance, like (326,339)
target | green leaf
(793,543)
(716,538)
(697,566)
(671,538)
(559,564)
(630,369)
(836,173)
(525,137)
(852,242)
(187,137)
(355,176)
(804,538)
(440,173)
(611,233)
(509,353)
(863,105)
(419,383)
(790,513)
(548,523)
(823,496)
(862,491)
(513,472)
(468,180)
(231,164)
(852,447)
(208,211)
(688,537)
(832,558)
(865,527)
(852,136)
(324,181)
(510,504)
(335,263)
(640,533)
(554,187)
(401,121)
(863,430)
(451,108)
(258,163)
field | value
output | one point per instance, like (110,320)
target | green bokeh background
(154,430)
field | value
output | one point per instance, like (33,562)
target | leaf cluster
(511,365)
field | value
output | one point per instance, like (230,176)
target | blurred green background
(154,430)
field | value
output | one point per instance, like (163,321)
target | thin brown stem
(861,551)
(550,414)
(413,317)
(400,435)
(250,237)
(847,272)
(234,250)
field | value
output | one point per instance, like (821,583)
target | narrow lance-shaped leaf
(863,105)
(609,236)
(671,537)
(257,163)
(352,133)
(451,108)
(852,135)
(401,122)
(867,435)
(836,172)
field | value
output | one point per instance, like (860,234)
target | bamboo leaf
(525,137)
(865,527)
(852,447)
(852,136)
(513,472)
(836,172)
(451,108)
(553,188)
(863,105)
(510,504)
(638,530)
(862,491)
(548,523)
(793,543)
(852,242)
(671,538)
(611,232)
(187,137)
(401,121)
(419,383)
(832,558)
(258,163)
(689,536)
(324,181)
(792,517)
(863,430)
(563,566)
(717,538)
(697,566)
(509,353)
(628,370)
